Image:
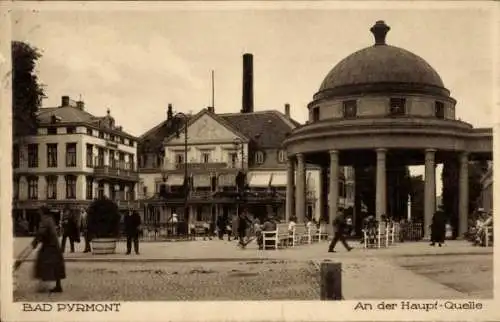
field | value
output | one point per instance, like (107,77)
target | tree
(27,92)
(103,219)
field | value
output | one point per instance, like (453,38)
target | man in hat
(339,228)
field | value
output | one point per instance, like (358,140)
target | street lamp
(186,184)
(240,177)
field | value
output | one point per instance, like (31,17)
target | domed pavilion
(382,106)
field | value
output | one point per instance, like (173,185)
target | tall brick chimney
(247,102)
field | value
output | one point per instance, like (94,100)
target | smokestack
(64,101)
(287,110)
(211,109)
(247,106)
(170,112)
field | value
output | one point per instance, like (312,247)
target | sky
(135,61)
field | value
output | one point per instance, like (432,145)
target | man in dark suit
(339,228)
(132,223)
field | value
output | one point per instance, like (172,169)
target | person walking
(132,223)
(69,230)
(438,229)
(243,222)
(49,265)
(221,227)
(85,230)
(339,228)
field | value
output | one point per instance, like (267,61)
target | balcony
(116,173)
(200,166)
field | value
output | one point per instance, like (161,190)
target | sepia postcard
(248,160)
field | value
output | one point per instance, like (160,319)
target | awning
(175,180)
(227,180)
(201,180)
(259,180)
(279,179)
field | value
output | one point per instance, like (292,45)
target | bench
(392,233)
(273,239)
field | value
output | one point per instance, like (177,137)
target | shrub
(103,219)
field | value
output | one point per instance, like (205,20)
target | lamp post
(240,184)
(186,184)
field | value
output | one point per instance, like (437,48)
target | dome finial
(380,30)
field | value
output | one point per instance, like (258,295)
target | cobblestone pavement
(164,271)
(276,280)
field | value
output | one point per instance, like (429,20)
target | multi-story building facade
(219,146)
(74,158)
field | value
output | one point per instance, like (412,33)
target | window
(89,188)
(439,110)
(16,156)
(232,157)
(52,187)
(33,188)
(397,106)
(259,157)
(52,155)
(70,187)
(205,157)
(179,158)
(89,131)
(315,114)
(71,130)
(90,155)
(32,155)
(111,137)
(199,213)
(100,190)
(350,108)
(100,157)
(131,143)
(122,140)
(71,154)
(101,135)
(282,156)
(52,130)
(112,162)
(16,188)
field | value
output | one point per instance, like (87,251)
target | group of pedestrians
(49,264)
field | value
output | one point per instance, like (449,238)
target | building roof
(152,140)
(382,64)
(77,115)
(267,129)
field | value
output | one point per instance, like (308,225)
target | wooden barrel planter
(103,246)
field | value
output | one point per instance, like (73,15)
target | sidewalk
(222,250)
(366,273)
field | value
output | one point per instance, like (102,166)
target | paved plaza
(219,270)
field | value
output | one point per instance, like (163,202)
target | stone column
(381,189)
(290,189)
(430,190)
(321,197)
(463,194)
(300,193)
(333,201)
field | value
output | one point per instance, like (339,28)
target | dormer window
(398,106)
(259,157)
(315,114)
(439,110)
(350,108)
(52,130)
(70,130)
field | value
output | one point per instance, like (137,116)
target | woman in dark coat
(49,265)
(438,229)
